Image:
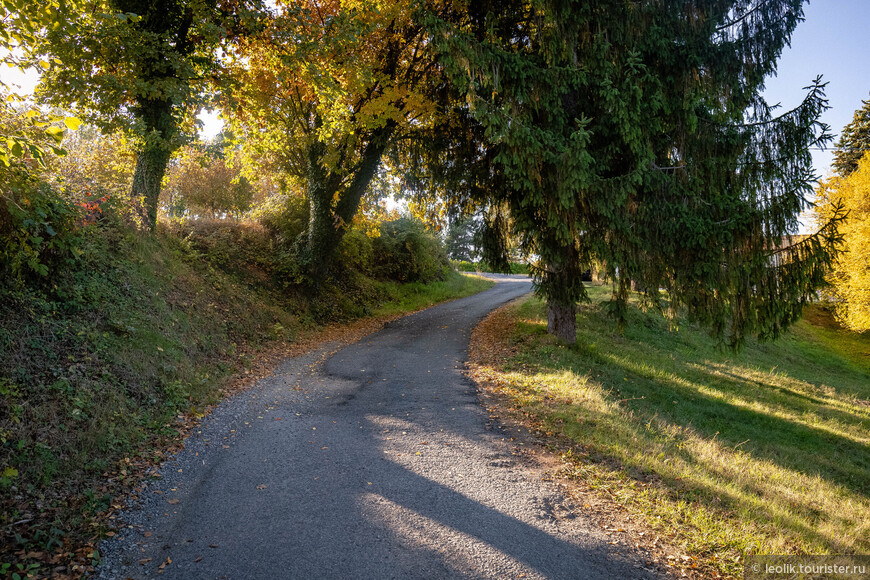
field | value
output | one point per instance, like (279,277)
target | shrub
(285,216)
(234,247)
(40,233)
(407,253)
(355,252)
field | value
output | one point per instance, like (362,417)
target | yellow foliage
(329,72)
(851,275)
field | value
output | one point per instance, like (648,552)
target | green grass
(414,295)
(761,452)
(94,375)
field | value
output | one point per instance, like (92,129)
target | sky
(833,41)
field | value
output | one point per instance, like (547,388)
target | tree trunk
(150,167)
(154,156)
(330,218)
(562,285)
(562,321)
(324,233)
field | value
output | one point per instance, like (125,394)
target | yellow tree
(322,93)
(210,186)
(850,277)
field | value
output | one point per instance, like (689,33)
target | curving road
(376,462)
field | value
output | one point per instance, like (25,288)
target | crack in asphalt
(376,462)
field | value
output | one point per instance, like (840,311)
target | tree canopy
(142,67)
(850,275)
(633,135)
(854,142)
(321,93)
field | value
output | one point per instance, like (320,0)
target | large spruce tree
(633,135)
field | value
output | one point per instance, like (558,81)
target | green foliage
(140,67)
(460,240)
(854,142)
(95,167)
(40,231)
(634,135)
(404,251)
(284,215)
(355,252)
(245,250)
(28,134)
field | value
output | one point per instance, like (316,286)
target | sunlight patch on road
(465,554)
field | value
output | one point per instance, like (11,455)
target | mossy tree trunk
(333,206)
(153,157)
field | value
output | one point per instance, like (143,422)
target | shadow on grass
(675,398)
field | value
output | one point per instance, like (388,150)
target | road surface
(376,462)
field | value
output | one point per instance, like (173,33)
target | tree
(208,185)
(460,242)
(140,66)
(633,134)
(854,143)
(27,132)
(102,164)
(850,275)
(322,94)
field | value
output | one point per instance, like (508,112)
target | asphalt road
(376,462)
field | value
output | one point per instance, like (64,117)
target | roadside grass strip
(762,452)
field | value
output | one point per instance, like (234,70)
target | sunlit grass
(765,451)
(413,296)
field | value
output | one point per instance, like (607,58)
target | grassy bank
(762,452)
(466,266)
(99,374)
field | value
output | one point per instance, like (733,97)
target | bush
(40,231)
(234,247)
(355,252)
(407,253)
(285,216)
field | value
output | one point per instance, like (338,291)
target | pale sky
(833,41)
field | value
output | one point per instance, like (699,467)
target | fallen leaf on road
(144,561)
(147,534)
(173,501)
(198,559)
